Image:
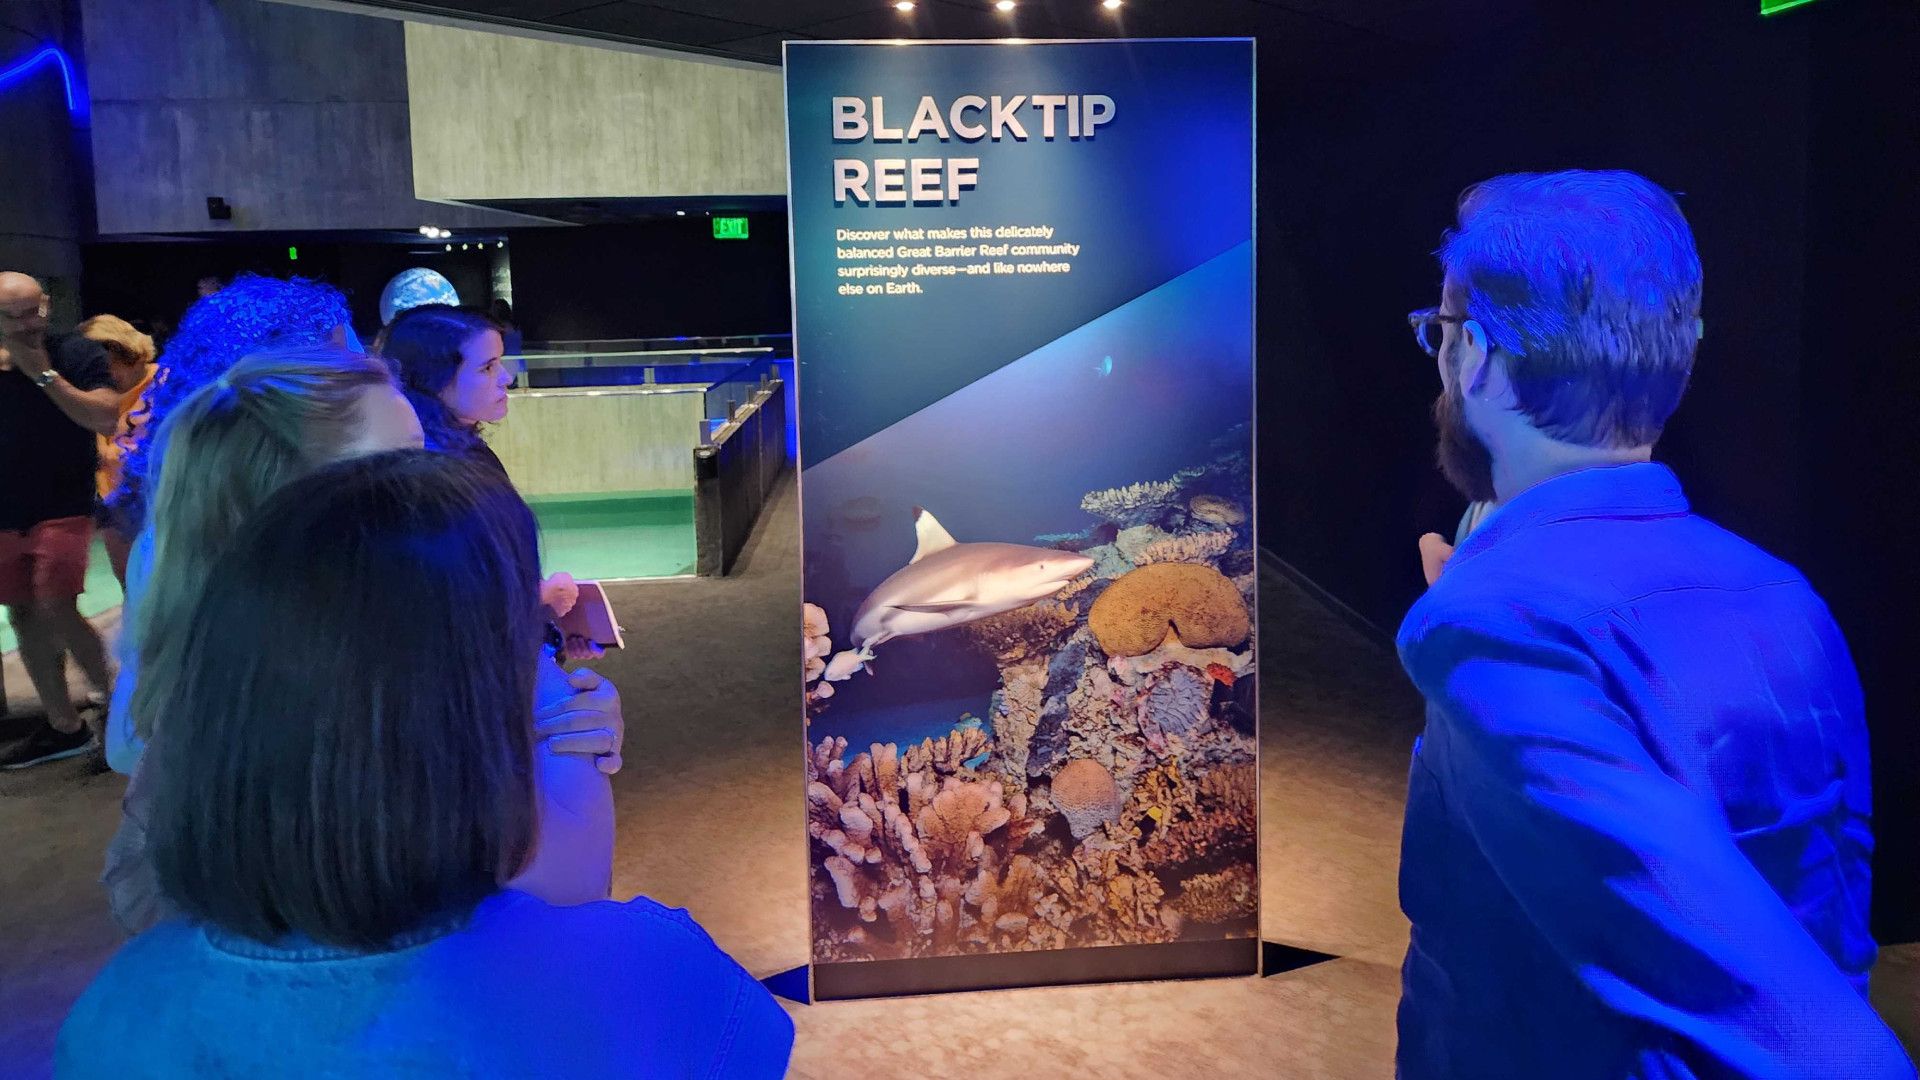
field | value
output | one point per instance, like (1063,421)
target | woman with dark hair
(339,844)
(451,362)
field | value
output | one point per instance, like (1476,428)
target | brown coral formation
(1197,547)
(924,859)
(906,837)
(1016,713)
(1215,510)
(1196,602)
(1196,819)
(1086,795)
(1025,632)
(1230,894)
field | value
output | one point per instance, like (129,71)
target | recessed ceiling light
(1004,5)
(449,247)
(680,213)
(904,5)
(1110,5)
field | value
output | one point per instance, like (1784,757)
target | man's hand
(587,722)
(1434,553)
(25,353)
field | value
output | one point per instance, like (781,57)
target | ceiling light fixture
(903,6)
(1004,5)
(1110,5)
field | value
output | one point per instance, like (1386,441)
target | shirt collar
(1643,489)
(294,947)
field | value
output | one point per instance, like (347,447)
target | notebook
(592,618)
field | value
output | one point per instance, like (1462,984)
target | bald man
(56,394)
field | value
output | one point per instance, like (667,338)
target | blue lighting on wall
(49,55)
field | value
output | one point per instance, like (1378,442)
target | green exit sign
(1775,7)
(729,228)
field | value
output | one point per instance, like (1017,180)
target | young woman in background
(451,362)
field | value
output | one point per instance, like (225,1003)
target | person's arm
(92,403)
(96,410)
(1634,879)
(572,860)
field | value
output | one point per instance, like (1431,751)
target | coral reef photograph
(1108,795)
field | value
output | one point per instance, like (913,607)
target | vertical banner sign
(1023,295)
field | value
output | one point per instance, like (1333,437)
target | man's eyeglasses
(1429,327)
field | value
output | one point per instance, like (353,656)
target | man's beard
(1463,458)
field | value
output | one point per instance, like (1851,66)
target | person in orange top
(130,355)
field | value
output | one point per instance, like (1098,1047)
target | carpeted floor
(711,818)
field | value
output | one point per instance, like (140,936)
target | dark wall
(1355,194)
(45,205)
(152,283)
(1782,146)
(663,278)
(1860,381)
(299,118)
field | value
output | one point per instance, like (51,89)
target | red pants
(47,562)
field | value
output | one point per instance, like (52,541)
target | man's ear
(1475,365)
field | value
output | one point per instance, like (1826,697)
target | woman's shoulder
(166,953)
(648,965)
(637,923)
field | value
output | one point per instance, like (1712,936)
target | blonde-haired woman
(130,355)
(271,419)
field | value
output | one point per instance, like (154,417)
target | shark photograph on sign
(948,584)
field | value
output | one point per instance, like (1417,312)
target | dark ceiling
(1299,33)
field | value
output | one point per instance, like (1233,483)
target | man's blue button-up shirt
(1637,833)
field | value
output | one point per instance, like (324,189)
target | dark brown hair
(423,344)
(348,751)
(1591,283)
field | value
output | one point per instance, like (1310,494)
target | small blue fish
(1104,367)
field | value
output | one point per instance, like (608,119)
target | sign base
(1276,958)
(1110,963)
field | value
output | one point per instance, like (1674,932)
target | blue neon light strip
(24,68)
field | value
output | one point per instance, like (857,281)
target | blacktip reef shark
(948,583)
